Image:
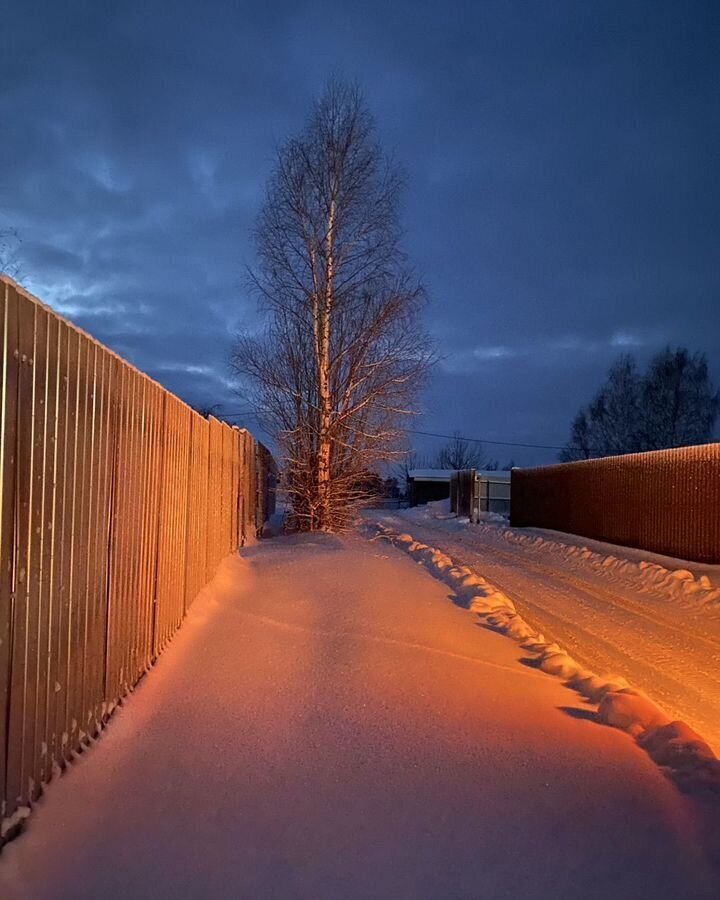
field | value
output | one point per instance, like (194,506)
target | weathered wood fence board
(117,502)
(665,501)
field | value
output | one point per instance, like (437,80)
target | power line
(448,437)
(435,434)
(462,437)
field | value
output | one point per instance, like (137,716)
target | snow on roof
(430,474)
(494,474)
(444,474)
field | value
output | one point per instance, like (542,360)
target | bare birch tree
(342,355)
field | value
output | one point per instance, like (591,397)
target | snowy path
(605,617)
(327,725)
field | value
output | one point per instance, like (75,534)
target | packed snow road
(327,724)
(609,607)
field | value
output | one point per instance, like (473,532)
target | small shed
(424,485)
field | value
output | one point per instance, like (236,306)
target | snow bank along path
(672,744)
(653,620)
(328,725)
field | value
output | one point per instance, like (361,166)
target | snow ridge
(673,745)
(679,583)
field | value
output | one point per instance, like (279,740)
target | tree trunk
(323,363)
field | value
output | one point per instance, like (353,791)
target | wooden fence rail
(665,501)
(117,502)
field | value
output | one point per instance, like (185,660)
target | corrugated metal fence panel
(665,501)
(116,504)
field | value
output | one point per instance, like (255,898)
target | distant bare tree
(9,263)
(209,410)
(460,453)
(679,401)
(409,461)
(579,446)
(342,356)
(673,404)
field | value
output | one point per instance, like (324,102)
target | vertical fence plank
(114,641)
(157,525)
(97,548)
(157,428)
(143,611)
(135,533)
(20,704)
(46,489)
(10,363)
(78,589)
(87,558)
(67,351)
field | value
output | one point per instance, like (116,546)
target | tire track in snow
(676,665)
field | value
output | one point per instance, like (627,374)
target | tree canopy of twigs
(674,403)
(336,368)
(9,263)
(460,453)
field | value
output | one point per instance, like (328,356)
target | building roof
(430,474)
(494,474)
(445,474)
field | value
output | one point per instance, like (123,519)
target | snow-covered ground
(650,619)
(327,724)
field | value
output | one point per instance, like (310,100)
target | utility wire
(462,437)
(447,437)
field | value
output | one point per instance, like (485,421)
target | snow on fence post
(117,502)
(663,501)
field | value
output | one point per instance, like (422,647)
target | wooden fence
(666,501)
(117,502)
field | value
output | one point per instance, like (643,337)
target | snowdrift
(673,745)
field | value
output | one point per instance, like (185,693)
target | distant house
(424,485)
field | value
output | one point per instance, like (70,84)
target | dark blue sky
(563,202)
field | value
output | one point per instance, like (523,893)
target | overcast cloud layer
(563,202)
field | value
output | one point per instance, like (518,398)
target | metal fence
(666,501)
(117,502)
(473,492)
